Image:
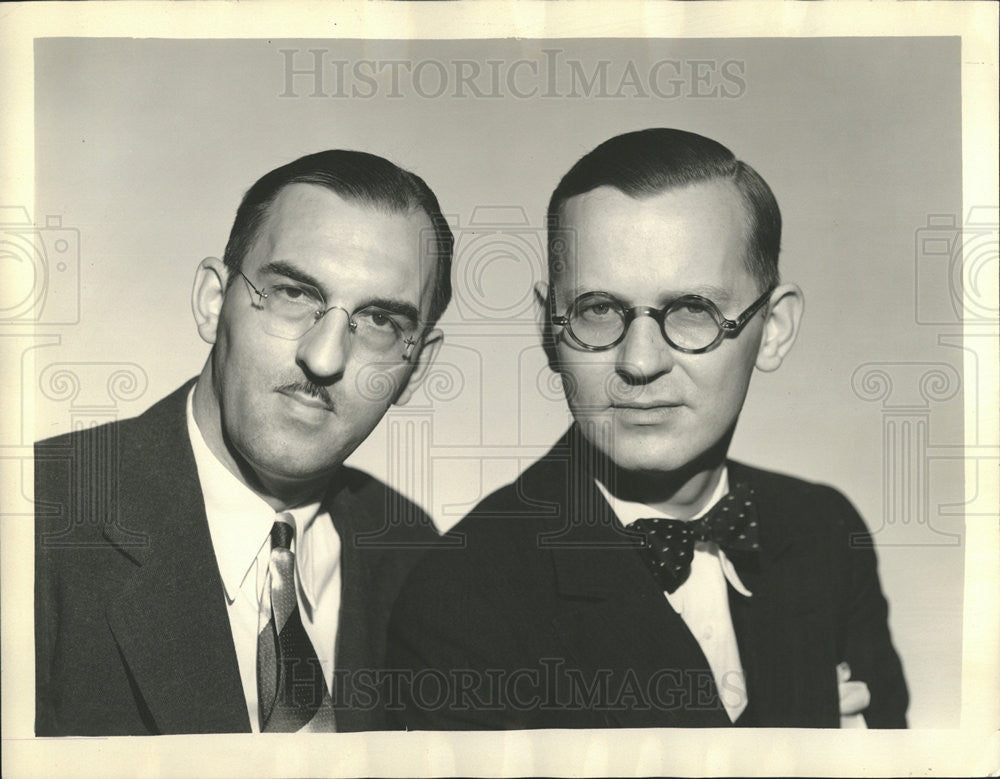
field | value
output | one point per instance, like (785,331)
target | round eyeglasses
(690,324)
(290,310)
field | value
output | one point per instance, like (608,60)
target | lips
(320,400)
(645,414)
(648,406)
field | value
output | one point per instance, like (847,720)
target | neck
(280,494)
(680,493)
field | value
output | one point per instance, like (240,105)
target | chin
(291,464)
(646,451)
(652,462)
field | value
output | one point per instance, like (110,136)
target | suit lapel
(633,632)
(785,646)
(354,643)
(170,620)
(616,617)
(354,640)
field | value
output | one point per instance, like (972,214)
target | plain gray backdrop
(144,148)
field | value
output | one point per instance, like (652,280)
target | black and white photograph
(500,389)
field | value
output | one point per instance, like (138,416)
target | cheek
(248,362)
(585,381)
(370,387)
(722,383)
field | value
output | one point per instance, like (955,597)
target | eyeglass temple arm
(734,326)
(258,292)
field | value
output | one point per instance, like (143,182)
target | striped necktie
(291,689)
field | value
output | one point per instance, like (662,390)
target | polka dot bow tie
(669,543)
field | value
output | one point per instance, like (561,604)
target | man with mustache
(635,576)
(212,566)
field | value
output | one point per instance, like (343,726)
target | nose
(644,354)
(323,351)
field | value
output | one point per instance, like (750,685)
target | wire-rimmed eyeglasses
(290,310)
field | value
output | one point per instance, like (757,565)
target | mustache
(308,388)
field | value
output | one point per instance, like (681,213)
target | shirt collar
(629,511)
(240,523)
(239,520)
(317,551)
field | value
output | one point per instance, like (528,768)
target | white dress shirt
(703,601)
(240,525)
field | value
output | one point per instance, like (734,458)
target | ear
(544,325)
(422,361)
(781,327)
(542,299)
(207,295)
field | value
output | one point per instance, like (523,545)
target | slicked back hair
(648,162)
(360,178)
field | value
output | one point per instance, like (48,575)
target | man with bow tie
(635,576)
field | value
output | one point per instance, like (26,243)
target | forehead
(346,244)
(690,239)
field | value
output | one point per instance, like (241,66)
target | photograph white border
(972,749)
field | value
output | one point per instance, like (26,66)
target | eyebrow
(398,307)
(712,292)
(282,268)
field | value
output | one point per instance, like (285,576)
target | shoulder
(808,506)
(537,498)
(84,472)
(142,441)
(382,537)
(384,510)
(541,491)
(497,550)
(155,424)
(781,487)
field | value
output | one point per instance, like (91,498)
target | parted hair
(648,162)
(359,177)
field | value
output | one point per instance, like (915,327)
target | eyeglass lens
(600,321)
(291,311)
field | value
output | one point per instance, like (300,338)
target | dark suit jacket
(549,618)
(131,630)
